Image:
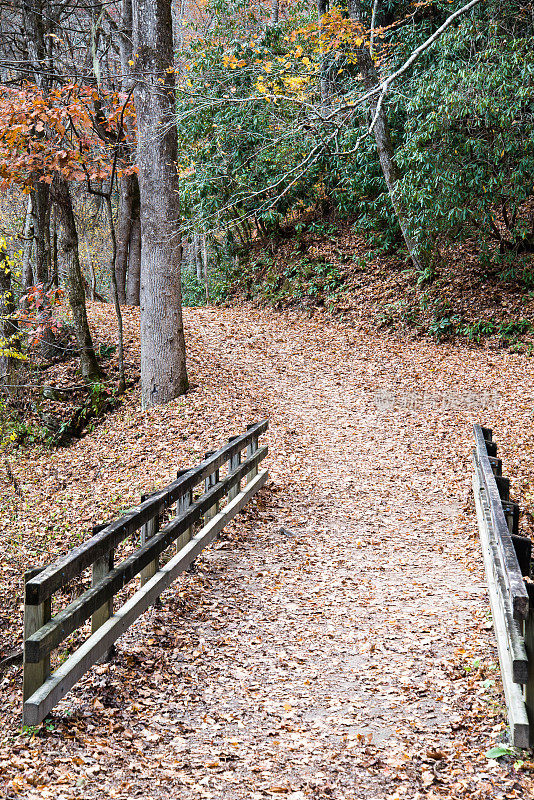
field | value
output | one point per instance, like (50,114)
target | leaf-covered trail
(334,644)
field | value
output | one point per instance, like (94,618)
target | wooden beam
(69,619)
(234,462)
(210,482)
(101,569)
(512,573)
(67,567)
(57,685)
(515,704)
(148,531)
(34,673)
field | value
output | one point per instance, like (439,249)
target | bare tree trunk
(134,259)
(205,265)
(115,294)
(40,203)
(322,8)
(124,226)
(27,271)
(54,275)
(72,277)
(9,343)
(163,367)
(275,12)
(382,135)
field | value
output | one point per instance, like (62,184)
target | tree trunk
(27,271)
(124,226)
(205,266)
(115,294)
(324,83)
(40,203)
(382,135)
(72,277)
(134,258)
(9,342)
(163,367)
(54,275)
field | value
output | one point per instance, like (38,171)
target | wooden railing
(194,523)
(507,563)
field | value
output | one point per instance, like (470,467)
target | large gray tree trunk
(382,135)
(71,275)
(163,368)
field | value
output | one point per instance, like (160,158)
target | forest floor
(336,641)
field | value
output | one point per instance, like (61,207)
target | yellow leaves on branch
(333,32)
(230,61)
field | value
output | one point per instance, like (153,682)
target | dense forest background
(373,159)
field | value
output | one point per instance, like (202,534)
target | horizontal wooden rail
(502,551)
(510,565)
(54,632)
(76,560)
(43,633)
(56,686)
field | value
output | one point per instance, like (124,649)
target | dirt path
(335,644)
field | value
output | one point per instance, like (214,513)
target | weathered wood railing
(193,525)
(507,562)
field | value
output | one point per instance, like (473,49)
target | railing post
(210,482)
(101,568)
(148,530)
(181,507)
(251,449)
(35,616)
(233,463)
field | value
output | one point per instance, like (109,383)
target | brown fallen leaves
(334,642)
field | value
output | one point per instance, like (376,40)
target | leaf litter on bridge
(335,642)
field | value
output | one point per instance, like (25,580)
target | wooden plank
(234,462)
(182,506)
(503,486)
(101,569)
(76,560)
(67,567)
(209,484)
(512,573)
(516,644)
(70,618)
(496,465)
(511,514)
(34,673)
(529,645)
(148,531)
(57,685)
(523,551)
(515,704)
(251,449)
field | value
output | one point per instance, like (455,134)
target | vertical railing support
(182,505)
(101,567)
(233,463)
(210,482)
(35,616)
(148,530)
(251,449)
